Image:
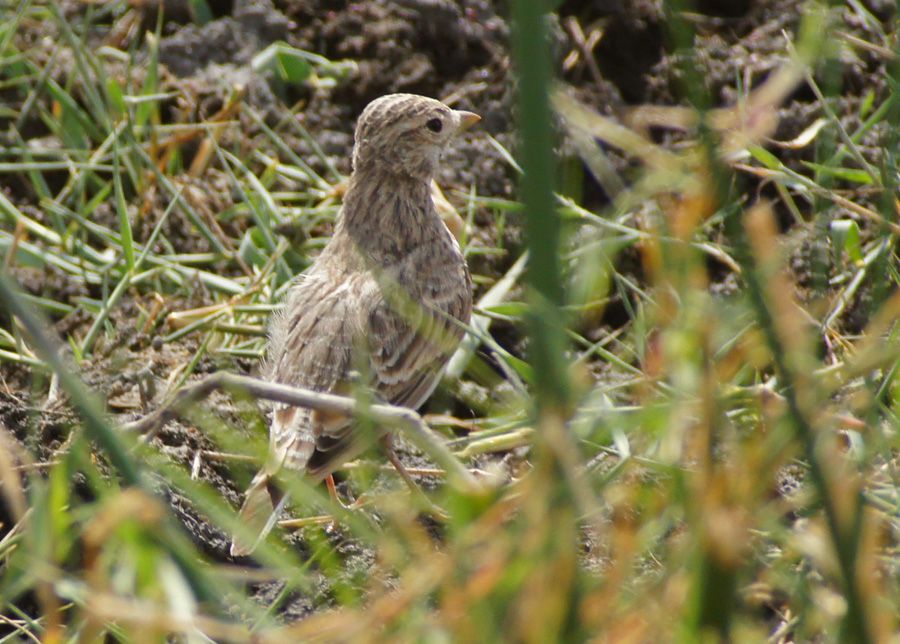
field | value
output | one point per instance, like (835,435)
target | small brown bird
(381,304)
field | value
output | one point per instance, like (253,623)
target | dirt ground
(457,51)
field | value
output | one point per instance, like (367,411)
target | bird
(384,304)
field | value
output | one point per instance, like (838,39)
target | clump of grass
(716,467)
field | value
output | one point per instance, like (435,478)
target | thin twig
(409,421)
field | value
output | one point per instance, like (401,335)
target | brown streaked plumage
(381,302)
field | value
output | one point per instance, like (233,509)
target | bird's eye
(435,125)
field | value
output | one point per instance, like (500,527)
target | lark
(383,306)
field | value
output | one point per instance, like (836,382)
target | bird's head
(405,134)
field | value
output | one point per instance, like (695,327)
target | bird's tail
(262,505)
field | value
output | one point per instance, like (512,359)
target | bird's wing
(415,340)
(312,343)
(407,345)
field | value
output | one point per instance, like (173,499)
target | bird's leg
(388,443)
(333,493)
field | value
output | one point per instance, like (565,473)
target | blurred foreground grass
(722,466)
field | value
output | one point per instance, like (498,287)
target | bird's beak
(467,119)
